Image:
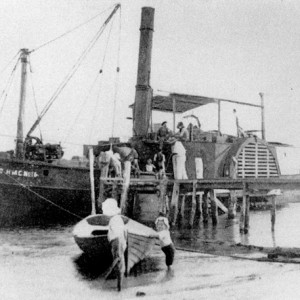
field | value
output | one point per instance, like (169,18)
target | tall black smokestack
(143,94)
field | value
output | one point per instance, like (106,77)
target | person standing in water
(163,233)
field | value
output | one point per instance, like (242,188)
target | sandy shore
(203,276)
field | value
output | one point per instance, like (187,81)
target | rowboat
(90,235)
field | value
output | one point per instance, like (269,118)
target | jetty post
(232,205)
(244,216)
(91,164)
(162,195)
(194,205)
(103,161)
(174,203)
(205,212)
(273,211)
(213,207)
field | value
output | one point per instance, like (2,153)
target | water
(39,263)
(286,233)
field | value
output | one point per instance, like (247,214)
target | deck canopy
(182,103)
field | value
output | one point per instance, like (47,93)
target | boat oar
(126,256)
(111,268)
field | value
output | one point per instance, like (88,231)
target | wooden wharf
(171,195)
(229,184)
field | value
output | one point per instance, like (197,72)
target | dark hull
(37,194)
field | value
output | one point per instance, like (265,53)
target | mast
(20,141)
(143,94)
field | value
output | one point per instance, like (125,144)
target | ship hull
(38,194)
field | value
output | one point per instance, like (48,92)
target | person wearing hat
(163,132)
(117,237)
(182,134)
(163,234)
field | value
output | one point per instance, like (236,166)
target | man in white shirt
(117,237)
(179,158)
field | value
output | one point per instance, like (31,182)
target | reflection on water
(286,233)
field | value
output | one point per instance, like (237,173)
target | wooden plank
(221,205)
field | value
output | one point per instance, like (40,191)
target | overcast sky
(226,49)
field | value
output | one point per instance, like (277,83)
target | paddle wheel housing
(250,158)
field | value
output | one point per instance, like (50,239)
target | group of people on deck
(164,134)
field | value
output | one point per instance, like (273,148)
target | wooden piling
(205,213)
(181,209)
(92,181)
(101,197)
(114,192)
(273,212)
(198,211)
(213,207)
(103,163)
(232,205)
(247,213)
(162,188)
(126,182)
(174,203)
(244,217)
(193,208)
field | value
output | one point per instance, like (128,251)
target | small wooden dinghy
(90,234)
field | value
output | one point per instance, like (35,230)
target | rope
(80,110)
(9,62)
(100,85)
(71,30)
(47,200)
(34,97)
(95,110)
(8,85)
(116,79)
(69,76)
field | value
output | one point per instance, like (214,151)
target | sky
(225,49)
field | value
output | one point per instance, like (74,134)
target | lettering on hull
(20,173)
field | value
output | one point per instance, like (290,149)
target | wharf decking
(202,184)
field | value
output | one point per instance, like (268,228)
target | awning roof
(186,102)
(183,102)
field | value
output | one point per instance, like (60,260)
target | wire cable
(70,31)
(117,78)
(8,86)
(45,199)
(34,97)
(72,72)
(9,62)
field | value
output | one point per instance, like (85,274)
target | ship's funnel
(143,94)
